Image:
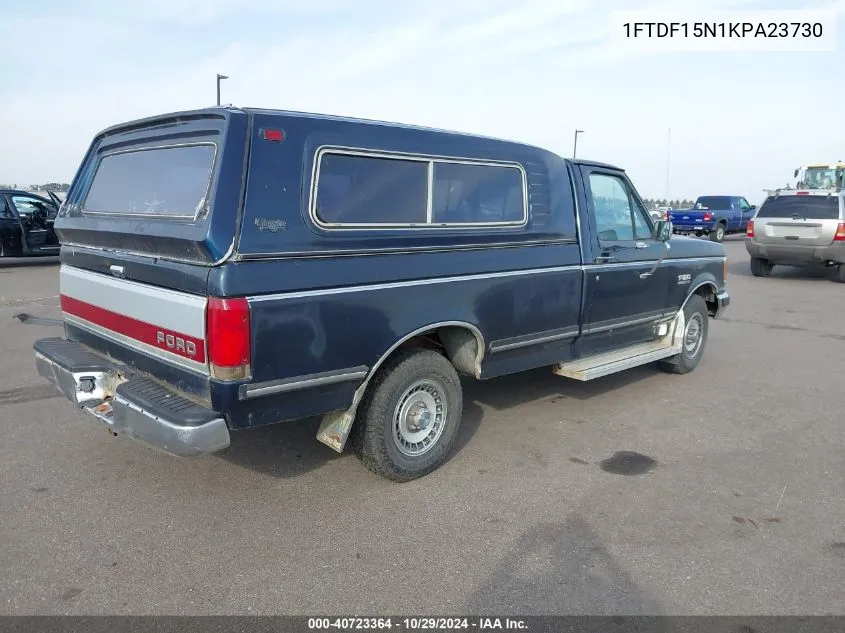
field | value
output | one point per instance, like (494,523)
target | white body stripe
(176,311)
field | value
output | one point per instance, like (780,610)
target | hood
(683,246)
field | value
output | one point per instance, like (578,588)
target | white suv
(798,228)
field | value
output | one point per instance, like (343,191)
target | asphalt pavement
(719,492)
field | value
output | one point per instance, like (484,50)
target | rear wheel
(840,273)
(717,234)
(409,419)
(761,267)
(696,323)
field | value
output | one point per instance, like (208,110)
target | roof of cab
(593,163)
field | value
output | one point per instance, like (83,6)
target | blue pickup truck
(225,269)
(715,216)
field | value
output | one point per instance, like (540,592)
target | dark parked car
(26,223)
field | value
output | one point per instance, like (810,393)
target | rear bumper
(782,253)
(692,228)
(135,406)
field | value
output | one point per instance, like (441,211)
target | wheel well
(708,293)
(458,343)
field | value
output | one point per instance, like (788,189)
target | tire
(410,384)
(840,273)
(761,267)
(695,312)
(718,234)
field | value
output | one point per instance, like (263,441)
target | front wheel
(718,234)
(696,324)
(409,419)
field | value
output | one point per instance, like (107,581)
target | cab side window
(5,212)
(619,215)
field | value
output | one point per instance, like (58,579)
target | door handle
(640,245)
(605,259)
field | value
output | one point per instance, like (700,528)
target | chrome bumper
(723,300)
(133,406)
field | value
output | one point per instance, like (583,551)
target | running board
(670,344)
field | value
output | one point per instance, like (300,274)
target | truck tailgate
(164,323)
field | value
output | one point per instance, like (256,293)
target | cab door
(627,287)
(746,213)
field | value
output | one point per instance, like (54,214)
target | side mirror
(663,230)
(753,206)
(795,175)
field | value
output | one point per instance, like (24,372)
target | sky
(526,70)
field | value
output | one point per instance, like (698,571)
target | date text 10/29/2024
(416,624)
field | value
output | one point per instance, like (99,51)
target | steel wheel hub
(692,336)
(419,418)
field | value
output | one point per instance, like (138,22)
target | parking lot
(741,510)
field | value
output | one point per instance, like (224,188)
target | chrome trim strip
(403,251)
(135,345)
(160,216)
(439,280)
(429,192)
(395,155)
(650,262)
(654,316)
(256,390)
(411,282)
(537,339)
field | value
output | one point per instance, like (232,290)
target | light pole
(668,148)
(575,146)
(219,77)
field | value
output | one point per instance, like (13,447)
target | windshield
(821,177)
(706,203)
(160,181)
(802,207)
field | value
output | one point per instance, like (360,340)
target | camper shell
(230,268)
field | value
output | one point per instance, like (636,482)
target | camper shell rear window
(163,181)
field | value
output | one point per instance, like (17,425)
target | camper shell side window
(373,190)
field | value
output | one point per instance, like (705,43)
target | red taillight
(840,233)
(802,193)
(228,334)
(274,135)
(707,217)
(749,230)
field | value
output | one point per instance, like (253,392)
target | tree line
(50,186)
(672,204)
